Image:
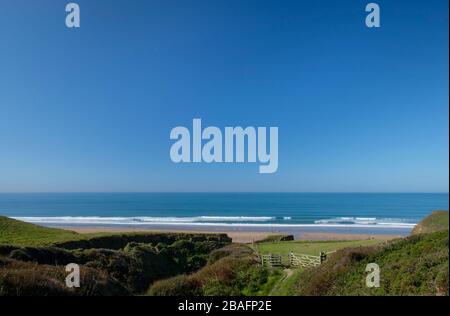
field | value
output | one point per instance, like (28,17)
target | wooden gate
(272,260)
(304,261)
(292,259)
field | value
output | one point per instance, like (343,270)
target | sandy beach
(242,236)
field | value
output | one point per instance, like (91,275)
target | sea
(392,213)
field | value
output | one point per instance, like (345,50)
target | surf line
(228,149)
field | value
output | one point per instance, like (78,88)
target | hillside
(437,221)
(18,278)
(231,271)
(20,233)
(32,259)
(416,265)
(311,247)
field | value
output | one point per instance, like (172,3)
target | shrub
(43,255)
(136,266)
(215,287)
(417,265)
(232,270)
(276,238)
(119,241)
(181,285)
(29,279)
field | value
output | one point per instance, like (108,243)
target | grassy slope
(437,221)
(286,286)
(18,278)
(417,265)
(311,247)
(233,270)
(19,233)
(288,283)
(30,264)
(414,266)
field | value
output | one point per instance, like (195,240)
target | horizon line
(223,192)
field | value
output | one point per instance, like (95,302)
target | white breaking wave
(141,220)
(366,221)
(244,221)
(236,218)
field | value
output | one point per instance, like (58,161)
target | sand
(242,236)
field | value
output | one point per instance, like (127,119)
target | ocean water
(256,210)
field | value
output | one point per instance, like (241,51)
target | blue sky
(91,109)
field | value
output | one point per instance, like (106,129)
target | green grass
(275,276)
(416,265)
(437,221)
(231,271)
(312,247)
(132,260)
(19,233)
(287,285)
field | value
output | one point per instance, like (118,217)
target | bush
(181,285)
(276,238)
(215,287)
(232,270)
(136,266)
(119,241)
(29,279)
(442,281)
(43,255)
(417,265)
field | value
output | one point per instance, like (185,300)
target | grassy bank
(311,247)
(18,233)
(32,259)
(231,271)
(416,265)
(437,221)
(15,232)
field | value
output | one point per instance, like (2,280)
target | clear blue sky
(91,109)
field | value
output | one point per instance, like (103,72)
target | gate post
(323,256)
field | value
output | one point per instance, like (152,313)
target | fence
(272,260)
(304,261)
(293,260)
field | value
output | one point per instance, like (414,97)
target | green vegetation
(232,270)
(437,221)
(276,238)
(287,285)
(312,247)
(134,267)
(19,278)
(417,265)
(20,233)
(33,259)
